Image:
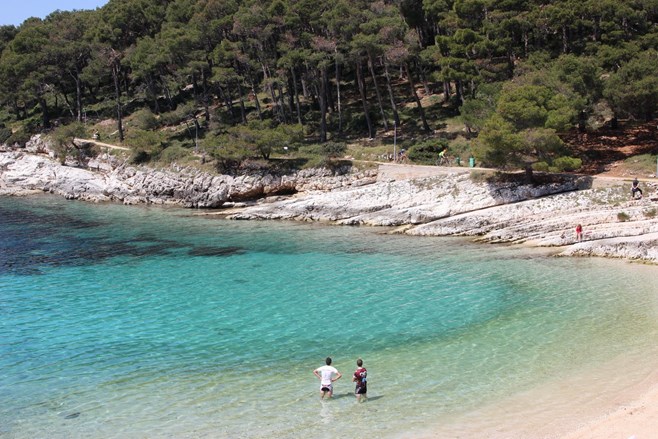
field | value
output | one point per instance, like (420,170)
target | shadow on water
(351,395)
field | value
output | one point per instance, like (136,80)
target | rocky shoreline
(446,204)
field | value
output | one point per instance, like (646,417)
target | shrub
(324,150)
(540,167)
(427,151)
(623,217)
(651,213)
(63,137)
(145,119)
(567,163)
(174,153)
(145,145)
(5,133)
(20,138)
(180,114)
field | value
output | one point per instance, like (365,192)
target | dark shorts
(326,388)
(361,390)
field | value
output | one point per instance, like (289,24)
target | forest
(238,80)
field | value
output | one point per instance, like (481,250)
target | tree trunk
(45,118)
(117,93)
(396,116)
(459,88)
(154,94)
(281,101)
(340,110)
(529,176)
(68,104)
(362,91)
(168,95)
(256,101)
(243,111)
(206,105)
(323,105)
(16,108)
(379,96)
(78,96)
(296,92)
(412,88)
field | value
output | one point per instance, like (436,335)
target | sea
(158,322)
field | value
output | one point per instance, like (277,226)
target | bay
(123,321)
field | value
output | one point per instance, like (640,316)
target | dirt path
(104,145)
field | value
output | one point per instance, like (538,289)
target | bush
(5,133)
(562,164)
(145,119)
(427,152)
(174,153)
(651,213)
(540,167)
(623,217)
(145,145)
(20,138)
(64,146)
(180,114)
(324,150)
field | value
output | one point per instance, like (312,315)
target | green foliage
(145,119)
(175,117)
(5,133)
(623,217)
(540,167)
(145,145)
(525,106)
(174,153)
(63,138)
(259,138)
(567,164)
(633,89)
(519,71)
(19,137)
(427,152)
(333,149)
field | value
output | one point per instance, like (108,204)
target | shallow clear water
(130,322)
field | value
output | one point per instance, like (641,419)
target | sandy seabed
(637,420)
(610,402)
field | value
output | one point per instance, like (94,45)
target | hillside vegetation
(237,84)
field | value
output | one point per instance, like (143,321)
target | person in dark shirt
(360,377)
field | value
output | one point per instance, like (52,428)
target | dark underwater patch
(215,251)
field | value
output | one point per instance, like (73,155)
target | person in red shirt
(360,377)
(579,232)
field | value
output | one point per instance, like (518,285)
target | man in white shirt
(327,375)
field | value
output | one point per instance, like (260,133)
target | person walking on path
(360,377)
(579,232)
(327,375)
(635,188)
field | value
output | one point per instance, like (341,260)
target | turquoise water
(131,322)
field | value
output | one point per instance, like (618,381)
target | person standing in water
(327,375)
(360,377)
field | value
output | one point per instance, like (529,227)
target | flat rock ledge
(448,204)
